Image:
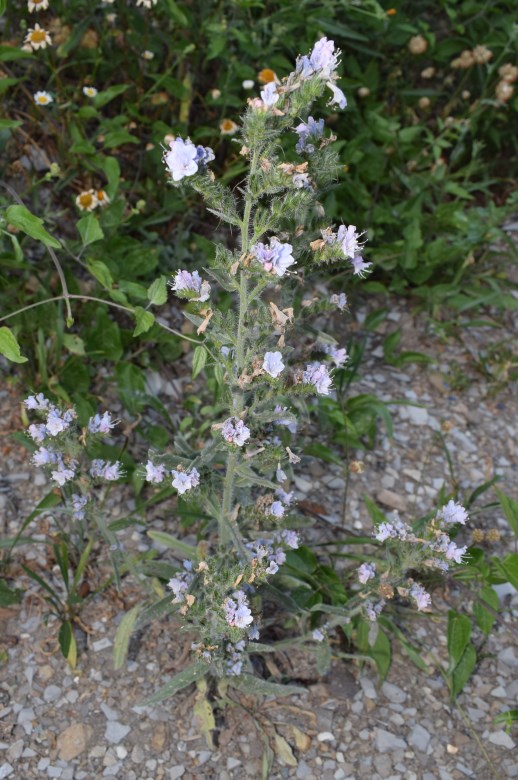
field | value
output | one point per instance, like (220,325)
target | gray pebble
(176,772)
(419,738)
(501,738)
(393,693)
(386,741)
(5,770)
(116,731)
(51,693)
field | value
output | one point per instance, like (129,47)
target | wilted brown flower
(504,91)
(481,54)
(466,60)
(508,72)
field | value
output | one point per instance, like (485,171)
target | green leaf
(123,636)
(323,452)
(157,292)
(112,171)
(459,633)
(89,229)
(510,566)
(463,670)
(510,509)
(7,124)
(109,94)
(9,597)
(21,218)
(199,358)
(176,683)
(67,643)
(508,717)
(257,686)
(101,272)
(9,346)
(13,53)
(487,597)
(74,343)
(144,320)
(171,541)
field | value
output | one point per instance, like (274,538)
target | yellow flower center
(86,200)
(38,36)
(43,99)
(266,75)
(227,124)
(101,195)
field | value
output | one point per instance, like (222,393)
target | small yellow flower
(228,127)
(391,12)
(38,5)
(266,75)
(87,200)
(102,198)
(38,38)
(43,98)
(148,55)
(90,92)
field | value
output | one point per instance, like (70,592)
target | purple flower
(181,161)
(291,425)
(337,354)
(38,402)
(359,266)
(318,635)
(454,553)
(63,473)
(349,238)
(452,513)
(339,300)
(338,96)
(100,424)
(269,94)
(420,596)
(309,131)
(280,475)
(318,375)
(366,572)
(179,584)
(286,498)
(38,433)
(112,471)
(78,505)
(184,481)
(385,531)
(237,611)
(97,467)
(204,155)
(273,364)
(253,633)
(290,538)
(322,61)
(276,258)
(154,473)
(272,568)
(234,431)
(276,509)
(190,285)
(44,456)
(373,610)
(55,423)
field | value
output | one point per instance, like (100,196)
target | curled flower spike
(309,131)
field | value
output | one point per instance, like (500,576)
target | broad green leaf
(510,509)
(7,124)
(144,320)
(112,171)
(101,272)
(167,540)
(459,633)
(9,346)
(176,683)
(21,218)
(324,453)
(74,343)
(13,53)
(199,358)
(89,229)
(510,566)
(157,292)
(463,670)
(508,717)
(123,636)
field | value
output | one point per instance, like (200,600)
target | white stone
(326,736)
(393,693)
(5,770)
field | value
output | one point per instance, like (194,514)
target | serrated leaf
(157,292)
(459,633)
(123,636)
(9,346)
(176,683)
(89,229)
(21,218)
(199,359)
(144,320)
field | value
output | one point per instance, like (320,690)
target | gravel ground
(87,724)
